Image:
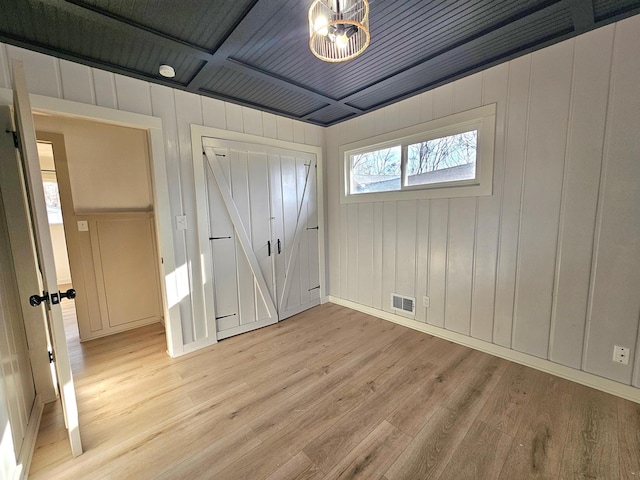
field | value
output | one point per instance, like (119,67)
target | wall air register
(403,305)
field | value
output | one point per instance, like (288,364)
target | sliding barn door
(263,233)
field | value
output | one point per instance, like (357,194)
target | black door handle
(269,247)
(279,249)
(35,300)
(70,294)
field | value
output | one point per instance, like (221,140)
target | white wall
(549,265)
(108,164)
(56,78)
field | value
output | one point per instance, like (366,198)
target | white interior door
(268,195)
(242,296)
(295,221)
(45,258)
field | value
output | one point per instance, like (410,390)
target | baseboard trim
(29,442)
(590,380)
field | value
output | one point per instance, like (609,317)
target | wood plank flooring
(329,394)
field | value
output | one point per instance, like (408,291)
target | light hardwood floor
(330,394)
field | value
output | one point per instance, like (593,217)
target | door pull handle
(70,294)
(269,248)
(279,247)
(35,300)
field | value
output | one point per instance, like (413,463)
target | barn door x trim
(200,163)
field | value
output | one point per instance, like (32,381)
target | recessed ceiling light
(167,71)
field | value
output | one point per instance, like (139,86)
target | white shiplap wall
(52,77)
(549,265)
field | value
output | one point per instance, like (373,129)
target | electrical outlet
(621,355)
(425,301)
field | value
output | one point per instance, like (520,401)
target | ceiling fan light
(338,30)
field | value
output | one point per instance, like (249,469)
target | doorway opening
(97,178)
(59,243)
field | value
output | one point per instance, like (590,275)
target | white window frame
(482,119)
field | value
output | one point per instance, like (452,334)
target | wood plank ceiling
(255,52)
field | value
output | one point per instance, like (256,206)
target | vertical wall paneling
(378,121)
(377,273)
(443,101)
(438,228)
(580,194)
(104,86)
(410,113)
(312,135)
(365,253)
(298,132)
(285,128)
(615,302)
(467,93)
(422,258)
(389,235)
(133,95)
(77,83)
(214,113)
(42,71)
(332,186)
(252,120)
(234,117)
(514,141)
(352,252)
(426,106)
(459,266)
(406,247)
(269,125)
(163,103)
(558,239)
(188,110)
(495,87)
(391,118)
(544,168)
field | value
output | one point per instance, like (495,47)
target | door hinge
(51,360)
(15,138)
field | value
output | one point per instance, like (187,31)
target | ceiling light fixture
(338,29)
(167,71)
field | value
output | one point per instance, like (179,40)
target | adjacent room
(328,239)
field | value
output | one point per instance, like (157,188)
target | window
(448,157)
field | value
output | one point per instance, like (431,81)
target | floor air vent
(406,305)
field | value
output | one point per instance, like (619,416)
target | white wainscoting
(549,265)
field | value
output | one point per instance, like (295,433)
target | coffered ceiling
(256,52)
